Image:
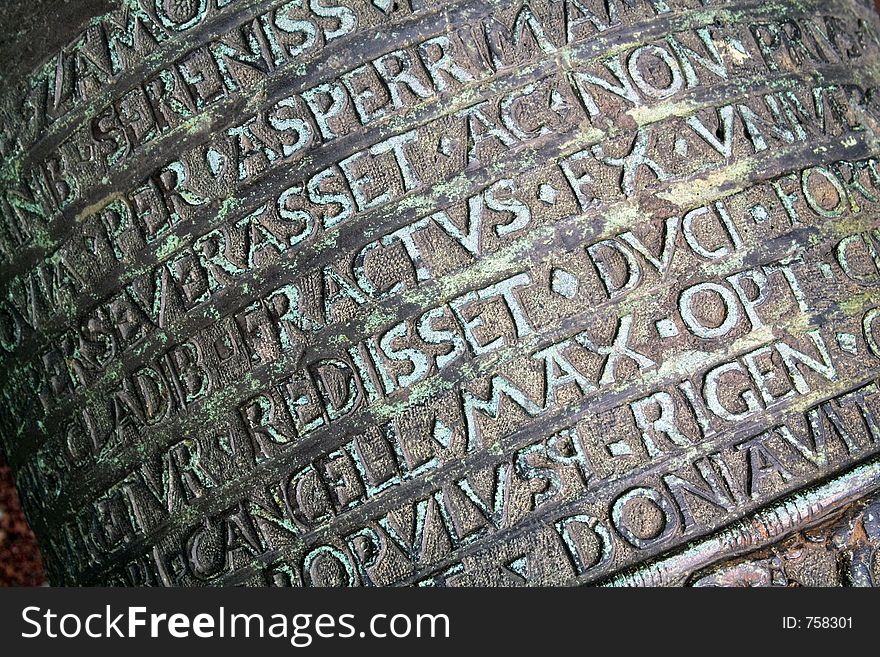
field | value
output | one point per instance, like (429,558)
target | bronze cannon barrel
(396,292)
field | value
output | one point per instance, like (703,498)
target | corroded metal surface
(388,292)
(845,551)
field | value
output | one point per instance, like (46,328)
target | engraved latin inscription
(286,300)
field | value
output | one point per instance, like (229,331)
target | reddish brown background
(20,563)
